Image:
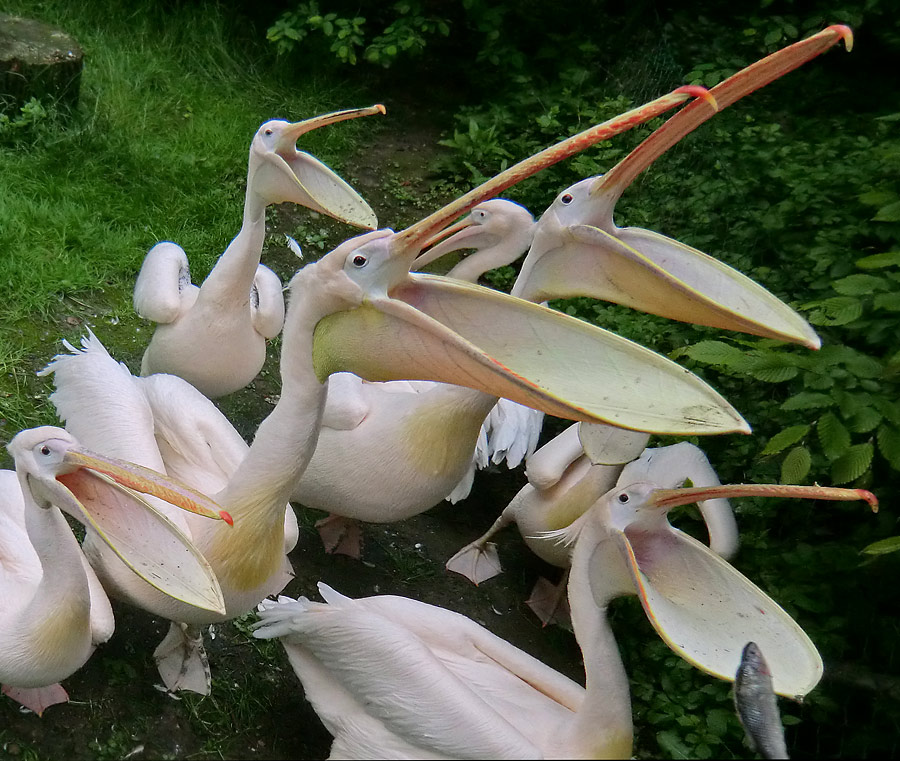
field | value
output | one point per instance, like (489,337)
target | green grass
(157,150)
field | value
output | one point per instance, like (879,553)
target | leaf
(862,365)
(784,438)
(877,261)
(864,420)
(889,444)
(671,743)
(889,213)
(834,438)
(890,302)
(795,466)
(838,310)
(806,400)
(860,285)
(775,374)
(714,353)
(717,721)
(883,546)
(853,463)
(891,410)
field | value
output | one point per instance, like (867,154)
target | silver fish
(756,704)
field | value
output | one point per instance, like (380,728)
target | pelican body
(570,473)
(54,610)
(433,431)
(391,677)
(240,304)
(356,310)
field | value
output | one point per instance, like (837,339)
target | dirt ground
(257,709)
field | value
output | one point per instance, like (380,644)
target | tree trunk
(37,61)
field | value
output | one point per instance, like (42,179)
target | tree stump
(37,61)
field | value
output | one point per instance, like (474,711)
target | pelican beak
(298,177)
(408,243)
(451,238)
(703,608)
(101,493)
(648,271)
(435,328)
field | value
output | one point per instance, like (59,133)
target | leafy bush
(405,30)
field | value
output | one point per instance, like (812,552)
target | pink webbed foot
(37,699)
(550,603)
(478,562)
(340,536)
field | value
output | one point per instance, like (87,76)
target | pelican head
(279,173)
(388,324)
(101,493)
(491,224)
(579,251)
(702,607)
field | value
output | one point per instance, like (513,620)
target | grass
(156,150)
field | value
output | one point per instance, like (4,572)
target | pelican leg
(550,603)
(341,536)
(37,699)
(182,661)
(479,560)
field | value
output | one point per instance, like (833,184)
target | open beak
(408,243)
(432,328)
(703,608)
(435,328)
(102,493)
(451,238)
(301,178)
(651,272)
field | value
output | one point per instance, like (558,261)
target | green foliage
(16,131)
(804,199)
(405,31)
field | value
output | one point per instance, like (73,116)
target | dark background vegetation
(797,186)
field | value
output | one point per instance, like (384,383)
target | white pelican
(566,477)
(359,310)
(500,231)
(54,611)
(354,476)
(579,251)
(240,304)
(391,677)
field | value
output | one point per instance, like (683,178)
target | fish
(756,704)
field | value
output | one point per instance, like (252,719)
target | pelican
(359,310)
(54,611)
(391,677)
(240,304)
(579,251)
(566,477)
(500,230)
(378,483)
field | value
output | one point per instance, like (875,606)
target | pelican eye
(45,450)
(360,261)
(269,131)
(623,498)
(567,199)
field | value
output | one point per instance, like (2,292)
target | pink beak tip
(226,516)
(845,33)
(382,110)
(698,91)
(869,497)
